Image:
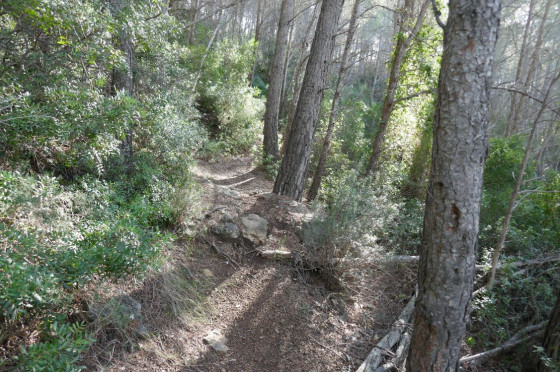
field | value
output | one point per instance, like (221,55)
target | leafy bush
(54,239)
(357,210)
(59,348)
(74,209)
(237,108)
(523,296)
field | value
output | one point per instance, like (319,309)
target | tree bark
(299,68)
(285,85)
(551,339)
(270,130)
(293,171)
(314,189)
(401,47)
(511,206)
(447,253)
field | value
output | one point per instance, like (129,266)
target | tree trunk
(447,257)
(258,26)
(285,85)
(193,15)
(551,339)
(299,68)
(401,47)
(291,176)
(276,79)
(210,43)
(517,187)
(509,129)
(551,132)
(515,123)
(314,189)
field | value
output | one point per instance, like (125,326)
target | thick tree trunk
(447,257)
(551,339)
(291,176)
(300,67)
(314,189)
(511,206)
(276,80)
(401,47)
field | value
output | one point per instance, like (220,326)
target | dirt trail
(275,316)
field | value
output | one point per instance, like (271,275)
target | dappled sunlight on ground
(275,315)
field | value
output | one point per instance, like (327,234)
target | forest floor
(274,315)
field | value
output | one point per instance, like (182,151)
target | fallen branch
(536,261)
(275,254)
(402,352)
(383,347)
(531,332)
(223,254)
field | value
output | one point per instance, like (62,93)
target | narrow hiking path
(273,315)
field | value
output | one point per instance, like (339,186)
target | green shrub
(225,93)
(54,239)
(357,210)
(59,347)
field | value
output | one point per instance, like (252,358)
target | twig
(329,348)
(437,14)
(413,95)
(223,254)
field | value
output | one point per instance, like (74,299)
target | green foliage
(552,364)
(73,208)
(502,166)
(357,210)
(525,295)
(270,166)
(57,238)
(404,236)
(224,92)
(408,140)
(522,296)
(535,219)
(59,348)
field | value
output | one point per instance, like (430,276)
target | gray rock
(122,312)
(228,192)
(297,208)
(226,217)
(211,211)
(225,230)
(217,341)
(255,228)
(308,232)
